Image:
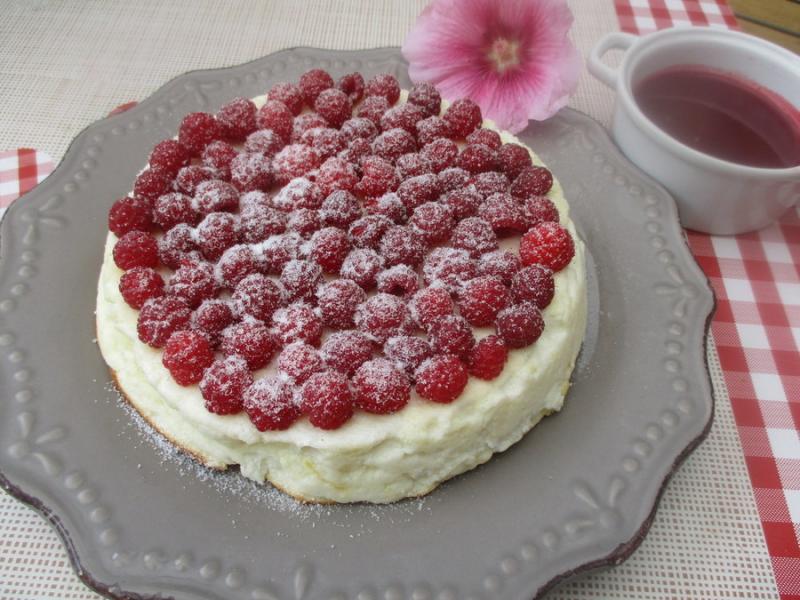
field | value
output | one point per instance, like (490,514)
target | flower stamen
(504,54)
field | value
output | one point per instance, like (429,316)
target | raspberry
(299,361)
(312,83)
(433,221)
(487,358)
(475,236)
(449,267)
(405,116)
(270,404)
(236,263)
(362,266)
(129,214)
(359,128)
(383,316)
(326,141)
(334,106)
(337,302)
(329,247)
(532,181)
(306,122)
(418,190)
(400,280)
(304,221)
(491,182)
(452,178)
(257,296)
(380,177)
(430,303)
(150,184)
(190,177)
(500,263)
(186,356)
(441,379)
(254,200)
(367,231)
(477,158)
(463,116)
(211,317)
(513,159)
(392,144)
(407,352)
(355,151)
(198,130)
(431,129)
(276,116)
(300,279)
(279,250)
(264,141)
(346,351)
(402,245)
(413,164)
(298,193)
(352,85)
(297,323)
(482,298)
(340,209)
(257,223)
(534,284)
(327,400)
(389,206)
(504,214)
(463,202)
(216,196)
(237,119)
(251,172)
(520,325)
(385,85)
(380,387)
(176,246)
(160,317)
(193,283)
(139,285)
(136,249)
(168,156)
(373,108)
(173,208)
(216,233)
(547,244)
(539,209)
(288,93)
(223,385)
(487,137)
(252,341)
(451,334)
(218,156)
(440,153)
(427,97)
(293,161)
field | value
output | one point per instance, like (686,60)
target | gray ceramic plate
(578,492)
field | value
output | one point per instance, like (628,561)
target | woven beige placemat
(66,64)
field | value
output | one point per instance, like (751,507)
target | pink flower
(512,57)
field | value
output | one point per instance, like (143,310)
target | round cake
(348,290)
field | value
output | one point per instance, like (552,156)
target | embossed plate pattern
(578,492)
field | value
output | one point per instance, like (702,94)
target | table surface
(64,64)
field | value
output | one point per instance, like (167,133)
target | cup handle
(597,67)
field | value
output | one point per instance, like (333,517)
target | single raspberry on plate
(487,137)
(337,301)
(452,178)
(216,233)
(383,316)
(441,379)
(390,206)
(463,202)
(362,266)
(251,171)
(418,190)
(312,83)
(463,116)
(451,334)
(304,123)
(490,182)
(298,193)
(140,284)
(150,184)
(216,196)
(477,158)
(218,156)
(136,249)
(532,181)
(264,141)
(367,231)
(193,282)
(433,221)
(211,317)
(380,387)
(237,119)
(288,93)
(383,84)
(297,323)
(198,130)
(513,159)
(176,246)
(190,177)
(520,325)
(448,267)
(407,351)
(430,129)
(359,128)
(173,208)
(326,400)
(334,106)
(257,296)
(257,223)
(345,351)
(329,247)
(405,116)
(236,263)
(294,161)
(547,244)
(224,383)
(482,298)
(252,341)
(325,140)
(373,108)
(379,177)
(487,358)
(186,355)
(160,317)
(352,84)
(277,117)
(392,144)
(430,303)
(278,250)
(270,404)
(130,214)
(534,284)
(500,263)
(340,209)
(441,153)
(401,245)
(427,97)
(400,280)
(413,164)
(538,209)
(168,156)
(474,235)
(299,361)
(504,214)
(300,279)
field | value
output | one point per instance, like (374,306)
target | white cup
(713,195)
